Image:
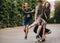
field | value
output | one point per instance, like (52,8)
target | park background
(10,15)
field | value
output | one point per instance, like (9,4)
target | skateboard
(38,41)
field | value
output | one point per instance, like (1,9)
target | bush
(10,14)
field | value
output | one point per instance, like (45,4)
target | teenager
(46,11)
(38,20)
(39,12)
(45,16)
(27,18)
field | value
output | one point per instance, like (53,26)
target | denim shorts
(26,22)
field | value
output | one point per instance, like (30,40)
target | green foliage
(56,18)
(10,12)
(57,12)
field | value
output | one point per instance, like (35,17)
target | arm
(36,12)
(29,11)
(45,15)
(32,24)
(36,15)
(48,12)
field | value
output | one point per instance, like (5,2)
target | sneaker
(38,37)
(49,32)
(25,37)
(43,40)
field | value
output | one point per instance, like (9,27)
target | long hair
(48,4)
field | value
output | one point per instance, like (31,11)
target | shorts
(44,20)
(41,23)
(26,22)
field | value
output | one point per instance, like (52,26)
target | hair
(39,1)
(24,4)
(48,3)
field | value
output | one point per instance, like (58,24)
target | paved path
(16,35)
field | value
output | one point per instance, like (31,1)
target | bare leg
(39,29)
(24,28)
(33,24)
(27,28)
(43,36)
(26,31)
(45,28)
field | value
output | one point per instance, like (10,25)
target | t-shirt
(27,14)
(40,10)
(47,11)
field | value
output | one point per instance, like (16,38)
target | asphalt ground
(16,35)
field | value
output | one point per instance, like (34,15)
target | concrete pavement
(16,35)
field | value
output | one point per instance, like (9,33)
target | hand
(32,10)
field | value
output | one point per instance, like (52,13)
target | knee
(40,27)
